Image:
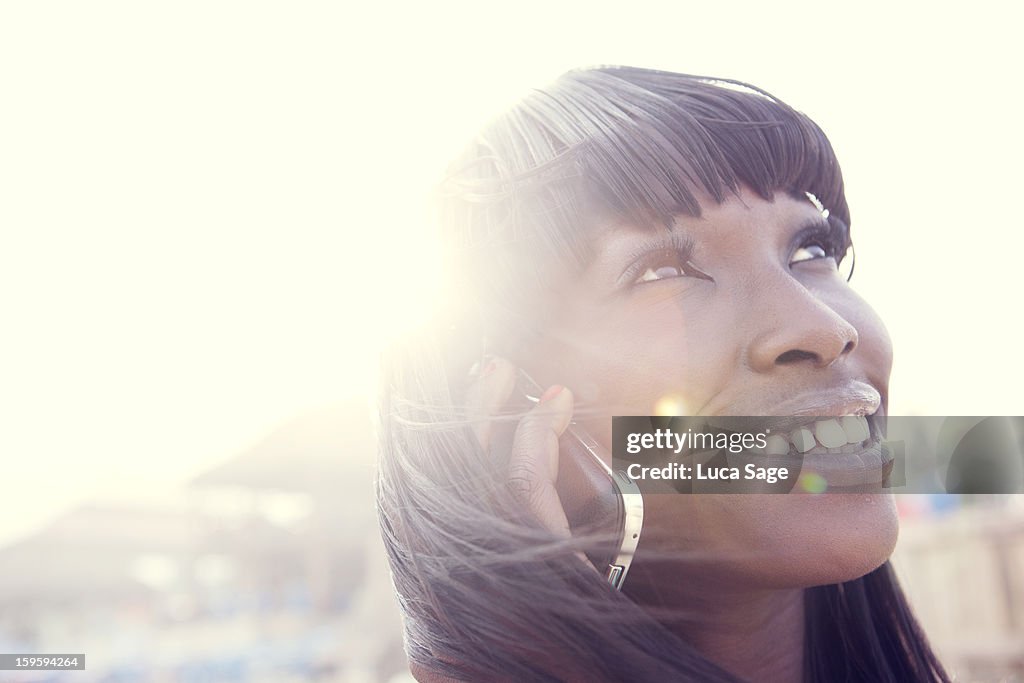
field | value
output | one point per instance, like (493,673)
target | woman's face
(738,312)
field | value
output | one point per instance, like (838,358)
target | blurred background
(214,214)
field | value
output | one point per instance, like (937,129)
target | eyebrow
(834,227)
(679,240)
(819,223)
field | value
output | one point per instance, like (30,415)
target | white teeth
(837,435)
(856,428)
(777,445)
(829,434)
(803,439)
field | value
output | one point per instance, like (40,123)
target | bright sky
(213,213)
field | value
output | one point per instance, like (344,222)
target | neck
(758,636)
(755,634)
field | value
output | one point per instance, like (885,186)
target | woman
(639,242)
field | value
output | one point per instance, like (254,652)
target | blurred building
(962,567)
(267,567)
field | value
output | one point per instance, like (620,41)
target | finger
(487,394)
(533,466)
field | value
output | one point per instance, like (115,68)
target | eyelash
(677,256)
(831,237)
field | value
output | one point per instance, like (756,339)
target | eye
(666,264)
(810,252)
(662,270)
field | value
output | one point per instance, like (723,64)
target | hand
(533,465)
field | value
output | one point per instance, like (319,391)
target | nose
(798,328)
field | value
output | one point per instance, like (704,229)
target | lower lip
(862,471)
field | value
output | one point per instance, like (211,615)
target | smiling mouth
(846,452)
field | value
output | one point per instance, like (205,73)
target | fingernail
(551,393)
(487,366)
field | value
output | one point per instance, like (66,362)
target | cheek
(654,358)
(874,349)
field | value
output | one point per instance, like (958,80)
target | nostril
(849,347)
(795,356)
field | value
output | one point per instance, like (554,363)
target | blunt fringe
(487,593)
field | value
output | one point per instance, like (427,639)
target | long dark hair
(487,593)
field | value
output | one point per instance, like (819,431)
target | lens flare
(811,482)
(670,405)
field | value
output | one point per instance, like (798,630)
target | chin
(839,537)
(761,541)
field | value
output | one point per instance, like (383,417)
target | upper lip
(850,398)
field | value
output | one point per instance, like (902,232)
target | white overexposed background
(213,213)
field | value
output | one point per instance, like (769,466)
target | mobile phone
(596,498)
